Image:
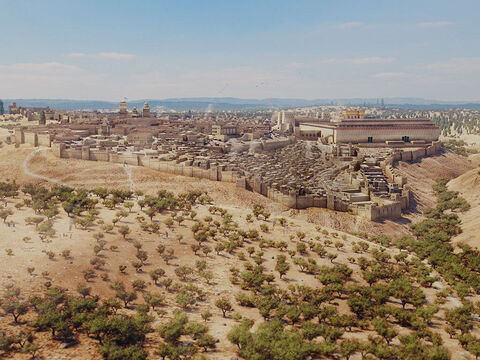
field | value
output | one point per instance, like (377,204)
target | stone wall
(57,149)
(411,155)
(270,145)
(382,209)
(380,135)
(129,159)
(44,140)
(31,138)
(19,137)
(72,153)
(99,155)
(373,212)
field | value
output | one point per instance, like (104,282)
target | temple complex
(353,127)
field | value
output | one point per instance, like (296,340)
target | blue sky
(107,49)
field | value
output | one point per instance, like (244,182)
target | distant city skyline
(150,49)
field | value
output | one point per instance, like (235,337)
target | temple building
(353,127)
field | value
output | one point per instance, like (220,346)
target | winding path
(28,172)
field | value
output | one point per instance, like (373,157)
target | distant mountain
(229,103)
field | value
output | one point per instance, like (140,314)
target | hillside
(468,185)
(191,269)
(421,174)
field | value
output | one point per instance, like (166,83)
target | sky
(154,49)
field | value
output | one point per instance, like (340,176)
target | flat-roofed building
(228,130)
(140,138)
(354,128)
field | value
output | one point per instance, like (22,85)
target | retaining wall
(215,173)
(31,138)
(44,140)
(374,212)
(19,137)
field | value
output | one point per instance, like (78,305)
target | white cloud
(47,68)
(327,61)
(351,61)
(369,60)
(456,65)
(391,75)
(103,55)
(434,24)
(349,25)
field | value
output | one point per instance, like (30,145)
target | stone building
(140,138)
(285,120)
(12,108)
(123,111)
(146,110)
(134,112)
(353,127)
(228,130)
(224,132)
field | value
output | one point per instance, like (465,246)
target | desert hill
(421,174)
(193,269)
(468,184)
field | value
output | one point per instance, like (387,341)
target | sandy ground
(67,272)
(421,174)
(468,185)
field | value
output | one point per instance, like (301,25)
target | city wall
(31,138)
(399,201)
(412,155)
(373,212)
(382,209)
(214,173)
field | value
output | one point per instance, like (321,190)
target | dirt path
(28,172)
(128,170)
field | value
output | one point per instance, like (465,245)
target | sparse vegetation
(297,281)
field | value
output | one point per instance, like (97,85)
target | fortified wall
(202,171)
(32,138)
(374,209)
(399,201)
(388,164)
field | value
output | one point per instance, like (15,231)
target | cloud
(369,60)
(48,67)
(456,65)
(103,55)
(391,75)
(349,25)
(351,61)
(326,61)
(434,24)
